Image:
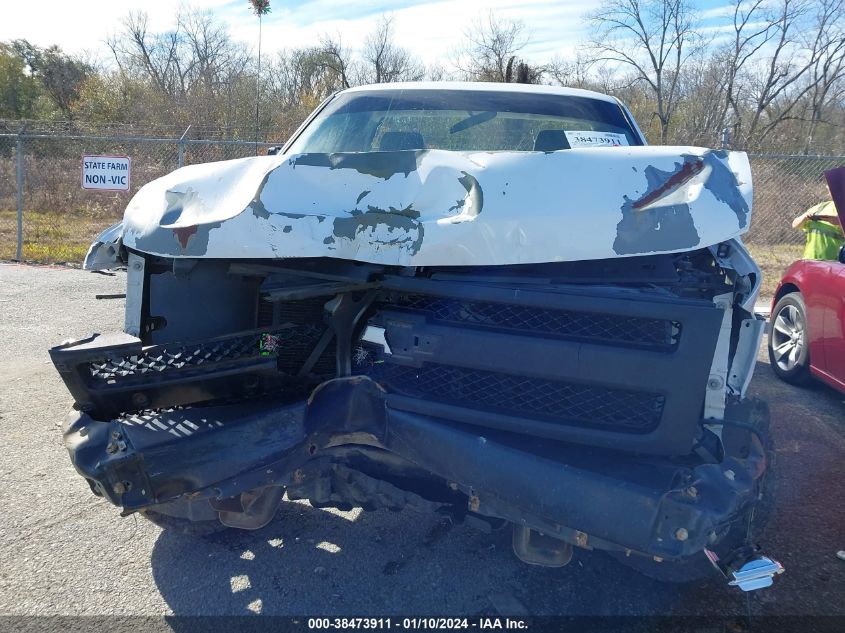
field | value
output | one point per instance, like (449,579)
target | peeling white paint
(528,207)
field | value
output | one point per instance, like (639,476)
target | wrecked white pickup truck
(489,301)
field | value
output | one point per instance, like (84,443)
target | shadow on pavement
(315,562)
(318,562)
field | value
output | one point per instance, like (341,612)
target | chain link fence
(41,193)
(785,186)
(45,214)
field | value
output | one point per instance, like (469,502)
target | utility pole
(259,8)
(19,167)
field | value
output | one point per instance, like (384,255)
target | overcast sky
(430,29)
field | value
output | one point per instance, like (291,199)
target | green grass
(51,237)
(773,260)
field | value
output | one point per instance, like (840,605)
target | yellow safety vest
(824,239)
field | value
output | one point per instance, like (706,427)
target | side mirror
(272,151)
(842,254)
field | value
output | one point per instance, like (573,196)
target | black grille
(298,312)
(171,421)
(558,402)
(306,313)
(592,326)
(290,345)
(297,347)
(303,311)
(266,311)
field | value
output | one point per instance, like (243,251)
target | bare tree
(436,72)
(751,30)
(827,74)
(157,56)
(298,76)
(572,73)
(651,38)
(196,71)
(384,61)
(218,66)
(491,44)
(337,59)
(775,85)
(214,56)
(782,64)
(776,73)
(297,81)
(700,115)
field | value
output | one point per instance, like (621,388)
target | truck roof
(482,86)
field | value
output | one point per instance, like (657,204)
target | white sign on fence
(106,173)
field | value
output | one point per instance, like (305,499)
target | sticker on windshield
(596,139)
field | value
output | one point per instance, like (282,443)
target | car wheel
(789,352)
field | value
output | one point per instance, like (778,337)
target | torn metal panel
(104,253)
(435,207)
(714,399)
(634,502)
(135,276)
(732,255)
(745,359)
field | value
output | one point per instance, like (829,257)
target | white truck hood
(435,207)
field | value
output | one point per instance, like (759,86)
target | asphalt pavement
(65,551)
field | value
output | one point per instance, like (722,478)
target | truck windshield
(463,120)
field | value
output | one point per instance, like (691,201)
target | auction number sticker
(596,139)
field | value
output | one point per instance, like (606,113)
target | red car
(807,325)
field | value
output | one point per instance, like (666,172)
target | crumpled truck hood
(435,207)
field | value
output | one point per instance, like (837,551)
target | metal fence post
(19,193)
(182,147)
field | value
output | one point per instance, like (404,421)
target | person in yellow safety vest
(824,232)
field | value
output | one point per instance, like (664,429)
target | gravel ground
(64,551)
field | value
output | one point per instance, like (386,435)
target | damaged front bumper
(592,404)
(347,445)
